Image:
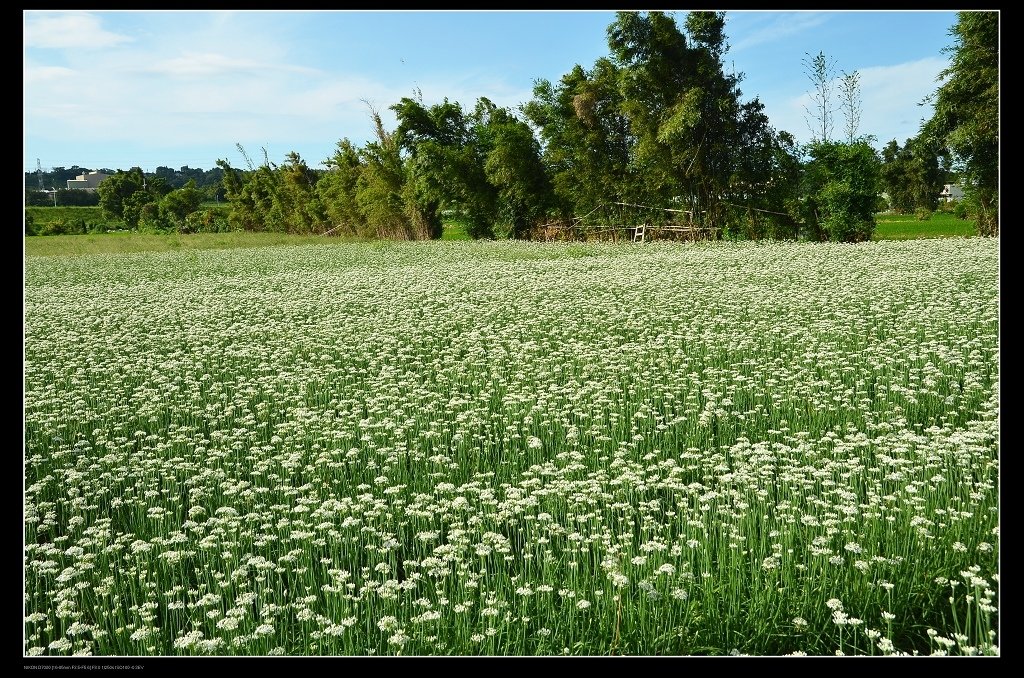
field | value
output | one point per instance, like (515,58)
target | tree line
(209,182)
(657,122)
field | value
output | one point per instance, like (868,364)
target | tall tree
(587,139)
(379,193)
(851,102)
(684,110)
(821,72)
(123,195)
(337,190)
(841,179)
(297,207)
(913,175)
(513,167)
(841,184)
(663,108)
(485,165)
(446,163)
(765,179)
(251,194)
(393,192)
(966,117)
(175,207)
(660,122)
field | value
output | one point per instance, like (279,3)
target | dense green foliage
(657,130)
(375,191)
(150,204)
(660,123)
(839,189)
(841,183)
(68,220)
(913,176)
(966,116)
(483,167)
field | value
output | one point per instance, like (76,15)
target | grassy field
(908,227)
(454,230)
(890,227)
(46,215)
(511,448)
(128,241)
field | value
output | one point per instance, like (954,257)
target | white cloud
(210,64)
(219,79)
(35,73)
(68,30)
(890,96)
(895,81)
(257,104)
(781,27)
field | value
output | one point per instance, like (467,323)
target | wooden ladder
(638,234)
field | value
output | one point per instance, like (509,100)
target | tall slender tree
(841,179)
(852,103)
(966,116)
(821,72)
(337,190)
(587,138)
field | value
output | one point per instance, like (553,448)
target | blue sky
(117,89)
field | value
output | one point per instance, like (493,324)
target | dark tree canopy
(966,117)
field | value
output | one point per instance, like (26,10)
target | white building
(88,181)
(951,192)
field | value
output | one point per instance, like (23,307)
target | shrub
(841,187)
(150,219)
(77,197)
(204,221)
(63,226)
(841,217)
(38,199)
(923,213)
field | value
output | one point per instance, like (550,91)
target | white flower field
(507,448)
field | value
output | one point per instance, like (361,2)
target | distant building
(951,192)
(89,181)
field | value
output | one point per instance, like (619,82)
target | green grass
(890,227)
(222,209)
(454,229)
(118,242)
(127,241)
(908,227)
(46,215)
